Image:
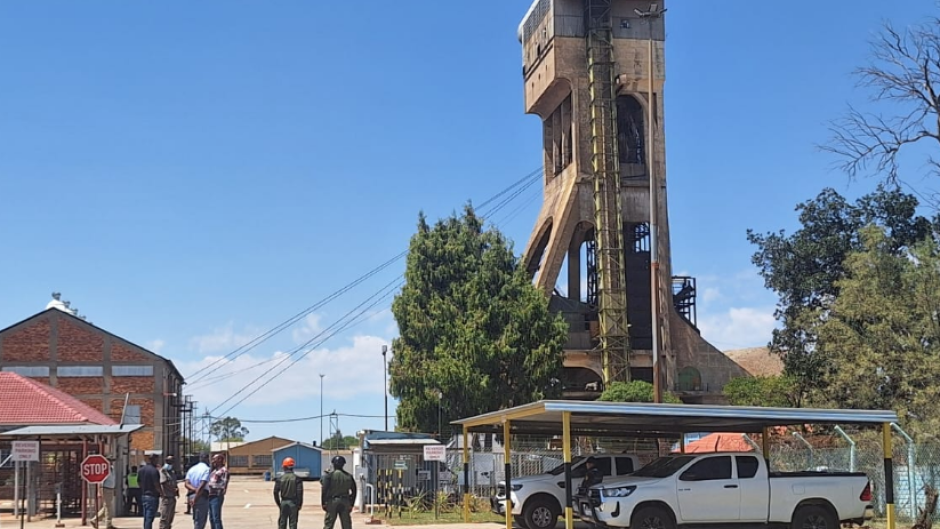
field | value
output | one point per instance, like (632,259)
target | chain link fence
(915,466)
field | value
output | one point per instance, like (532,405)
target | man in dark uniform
(288,495)
(339,493)
(592,475)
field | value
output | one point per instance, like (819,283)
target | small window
(747,466)
(238,461)
(713,468)
(603,464)
(132,414)
(5,460)
(261,461)
(624,465)
(28,371)
(80,371)
(132,371)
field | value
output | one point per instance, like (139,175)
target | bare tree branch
(904,80)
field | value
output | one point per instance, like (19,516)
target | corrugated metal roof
(64,430)
(625,418)
(298,443)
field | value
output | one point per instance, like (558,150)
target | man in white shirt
(197,480)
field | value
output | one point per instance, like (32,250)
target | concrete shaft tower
(594,73)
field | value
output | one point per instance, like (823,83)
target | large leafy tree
(804,267)
(881,335)
(634,391)
(778,391)
(475,334)
(228,429)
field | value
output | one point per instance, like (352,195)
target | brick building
(58,348)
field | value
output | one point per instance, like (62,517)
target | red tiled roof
(719,442)
(28,402)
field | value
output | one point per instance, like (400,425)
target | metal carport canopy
(630,418)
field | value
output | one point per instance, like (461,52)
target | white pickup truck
(537,500)
(725,489)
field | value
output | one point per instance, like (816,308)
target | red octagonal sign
(95,469)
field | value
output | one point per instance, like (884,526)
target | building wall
(255,457)
(99,369)
(305,458)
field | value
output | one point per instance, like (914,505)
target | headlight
(516,486)
(619,492)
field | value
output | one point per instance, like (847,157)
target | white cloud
(223,339)
(310,328)
(352,370)
(738,327)
(156,345)
(711,294)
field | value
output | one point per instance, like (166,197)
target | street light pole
(321,409)
(385,382)
(654,12)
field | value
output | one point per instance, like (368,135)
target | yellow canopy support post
(566,440)
(508,468)
(466,476)
(889,473)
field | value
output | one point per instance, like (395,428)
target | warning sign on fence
(435,453)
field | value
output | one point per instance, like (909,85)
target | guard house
(68,430)
(394,463)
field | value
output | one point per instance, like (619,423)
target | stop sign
(95,469)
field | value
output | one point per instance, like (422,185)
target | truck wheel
(520,521)
(539,514)
(652,518)
(814,517)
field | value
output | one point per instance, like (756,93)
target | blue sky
(190,175)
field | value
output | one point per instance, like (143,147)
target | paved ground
(249,505)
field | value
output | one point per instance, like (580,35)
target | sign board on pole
(25,451)
(401,464)
(95,468)
(435,453)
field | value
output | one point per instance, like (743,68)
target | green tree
(881,335)
(771,391)
(198,445)
(228,429)
(634,391)
(803,268)
(475,334)
(338,441)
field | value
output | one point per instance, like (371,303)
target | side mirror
(688,477)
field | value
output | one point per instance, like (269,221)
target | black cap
(339,462)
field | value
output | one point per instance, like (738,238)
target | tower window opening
(558,141)
(638,238)
(631,139)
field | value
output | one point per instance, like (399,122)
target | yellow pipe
(466,477)
(508,455)
(566,440)
(889,473)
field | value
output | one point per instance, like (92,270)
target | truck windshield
(560,469)
(664,467)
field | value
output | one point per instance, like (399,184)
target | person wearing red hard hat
(288,495)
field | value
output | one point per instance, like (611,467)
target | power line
(301,419)
(297,317)
(394,284)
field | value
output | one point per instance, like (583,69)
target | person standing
(339,493)
(196,481)
(150,491)
(133,492)
(288,495)
(107,499)
(170,491)
(218,486)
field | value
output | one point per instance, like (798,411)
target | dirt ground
(248,505)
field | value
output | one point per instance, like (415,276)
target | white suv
(537,500)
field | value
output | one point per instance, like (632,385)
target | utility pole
(385,382)
(655,286)
(321,409)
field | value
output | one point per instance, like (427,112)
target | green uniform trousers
(338,507)
(289,512)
